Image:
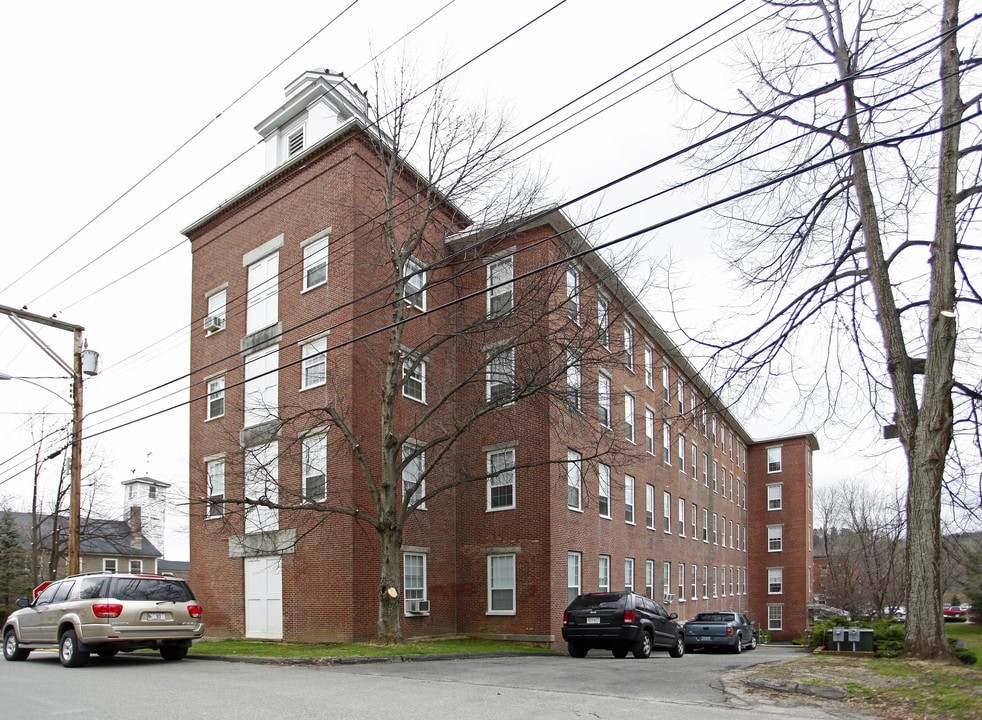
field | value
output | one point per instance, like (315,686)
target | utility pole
(76,370)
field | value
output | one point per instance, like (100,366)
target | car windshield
(602,601)
(152,589)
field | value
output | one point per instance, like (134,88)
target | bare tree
(448,210)
(858,140)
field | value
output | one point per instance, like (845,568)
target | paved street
(544,688)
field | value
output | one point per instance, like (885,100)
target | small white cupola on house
(317,103)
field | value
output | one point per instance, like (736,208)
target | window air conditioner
(669,599)
(214,323)
(417,606)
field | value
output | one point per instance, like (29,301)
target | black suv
(620,622)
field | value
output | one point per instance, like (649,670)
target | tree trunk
(389,630)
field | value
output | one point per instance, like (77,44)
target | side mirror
(673,616)
(23,602)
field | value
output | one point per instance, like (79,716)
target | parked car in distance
(728,629)
(954,613)
(105,613)
(621,622)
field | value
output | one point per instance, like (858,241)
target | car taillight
(107,610)
(565,618)
(195,611)
(729,630)
(629,617)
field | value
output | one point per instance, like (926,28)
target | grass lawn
(270,649)
(969,633)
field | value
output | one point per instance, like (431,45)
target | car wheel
(173,653)
(738,645)
(642,648)
(107,652)
(11,647)
(577,650)
(621,651)
(753,641)
(68,651)
(678,649)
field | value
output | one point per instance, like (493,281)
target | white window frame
(574,480)
(666,512)
(666,378)
(649,578)
(262,303)
(603,574)
(775,616)
(314,466)
(573,293)
(629,408)
(215,396)
(501,473)
(261,386)
(681,582)
(775,581)
(261,472)
(774,459)
(603,490)
(649,506)
(413,377)
(574,575)
(666,578)
(603,399)
(500,274)
(705,582)
(649,430)
(501,584)
(629,574)
(681,453)
(217,300)
(109,565)
(574,380)
(315,263)
(775,538)
(628,346)
(681,517)
(314,364)
(649,365)
(414,284)
(414,592)
(629,499)
(603,320)
(215,474)
(501,375)
(666,442)
(413,475)
(775,496)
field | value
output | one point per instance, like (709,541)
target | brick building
(621,470)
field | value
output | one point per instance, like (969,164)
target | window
(629,417)
(666,579)
(603,399)
(629,574)
(263,295)
(775,538)
(216,312)
(603,574)
(666,442)
(603,492)
(680,399)
(315,468)
(603,320)
(731,533)
(629,346)
(315,264)
(692,406)
(715,529)
(573,293)
(501,375)
(694,525)
(714,430)
(136,566)
(681,453)
(681,517)
(715,476)
(705,525)
(694,581)
(665,379)
(109,565)
(775,581)
(574,478)
(152,492)
(649,365)
(774,459)
(705,581)
(693,465)
(261,483)
(722,580)
(216,398)
(414,377)
(413,482)
(501,584)
(294,142)
(649,430)
(500,293)
(649,507)
(314,369)
(775,617)
(216,488)
(649,578)
(573,582)
(629,499)
(413,577)
(414,287)
(715,581)
(666,511)
(573,379)
(261,386)
(773,497)
(681,582)
(501,479)
(732,574)
(722,526)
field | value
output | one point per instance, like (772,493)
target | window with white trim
(629,346)
(501,375)
(694,525)
(665,379)
(629,417)
(681,517)
(574,586)
(775,617)
(666,511)
(774,499)
(680,396)
(136,566)
(414,285)
(666,442)
(216,487)
(775,581)
(715,529)
(649,578)
(603,574)
(603,399)
(715,476)
(216,311)
(262,386)
(715,581)
(705,525)
(649,506)
(109,565)
(314,363)
(694,581)
(574,479)
(681,582)
(500,290)
(501,479)
(694,465)
(681,453)
(649,430)
(261,484)
(722,527)
(705,582)
(666,578)
(722,580)
(413,577)
(649,365)
(775,538)
(603,491)
(501,584)
(705,469)
(414,377)
(774,459)
(413,481)
(629,574)
(629,500)
(262,301)
(315,264)
(574,377)
(315,468)
(573,293)
(216,398)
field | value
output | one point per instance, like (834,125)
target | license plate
(593,621)
(705,638)
(156,616)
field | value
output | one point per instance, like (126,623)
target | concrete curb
(330,661)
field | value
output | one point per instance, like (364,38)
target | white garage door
(264,597)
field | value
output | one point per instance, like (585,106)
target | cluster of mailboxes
(851,639)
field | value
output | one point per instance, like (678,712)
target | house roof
(97,536)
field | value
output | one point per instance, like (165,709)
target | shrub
(965,655)
(888,634)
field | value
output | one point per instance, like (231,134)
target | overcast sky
(98,93)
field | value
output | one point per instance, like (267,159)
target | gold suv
(105,613)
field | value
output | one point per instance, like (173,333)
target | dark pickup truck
(731,630)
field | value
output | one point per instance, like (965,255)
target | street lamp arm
(5,376)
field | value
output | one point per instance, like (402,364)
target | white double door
(264,597)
